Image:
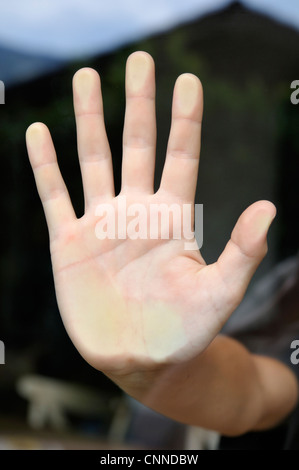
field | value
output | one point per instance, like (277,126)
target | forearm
(225,388)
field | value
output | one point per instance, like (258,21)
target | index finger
(179,175)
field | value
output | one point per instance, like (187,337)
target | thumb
(246,248)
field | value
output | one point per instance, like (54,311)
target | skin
(148,313)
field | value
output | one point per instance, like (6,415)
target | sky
(71,28)
(40,34)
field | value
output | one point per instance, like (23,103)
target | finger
(50,185)
(246,248)
(93,147)
(179,175)
(139,136)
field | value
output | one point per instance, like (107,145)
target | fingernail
(35,135)
(83,85)
(262,222)
(187,89)
(138,67)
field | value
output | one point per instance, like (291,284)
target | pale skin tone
(147,313)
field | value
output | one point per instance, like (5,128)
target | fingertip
(260,216)
(188,96)
(140,55)
(190,78)
(36,127)
(140,69)
(265,206)
(251,230)
(35,132)
(84,80)
(85,72)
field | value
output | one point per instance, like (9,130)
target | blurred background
(246,55)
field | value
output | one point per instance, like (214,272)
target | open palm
(134,304)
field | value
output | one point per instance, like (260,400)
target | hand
(136,305)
